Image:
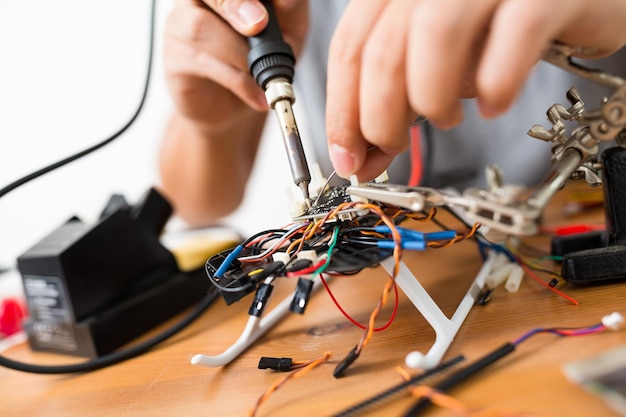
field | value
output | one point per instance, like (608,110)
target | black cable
(134,351)
(461,375)
(398,388)
(246,242)
(116,357)
(21,181)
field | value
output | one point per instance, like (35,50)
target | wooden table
(164,383)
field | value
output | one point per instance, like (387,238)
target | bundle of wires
(328,245)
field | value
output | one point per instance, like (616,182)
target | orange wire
(423,218)
(397,254)
(292,375)
(459,409)
(459,238)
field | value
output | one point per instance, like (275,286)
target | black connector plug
(298,264)
(260,299)
(346,362)
(274,269)
(301,297)
(277,364)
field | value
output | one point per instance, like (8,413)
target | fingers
(520,31)
(443,38)
(347,146)
(201,46)
(248,17)
(384,109)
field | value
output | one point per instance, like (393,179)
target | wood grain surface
(164,383)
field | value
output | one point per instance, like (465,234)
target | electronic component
(330,242)
(603,375)
(328,201)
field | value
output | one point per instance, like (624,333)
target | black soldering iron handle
(270,56)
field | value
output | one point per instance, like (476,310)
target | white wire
(287,235)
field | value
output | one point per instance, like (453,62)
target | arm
(213,135)
(390,61)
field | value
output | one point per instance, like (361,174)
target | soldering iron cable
(29,177)
(138,349)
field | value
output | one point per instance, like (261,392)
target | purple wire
(561,332)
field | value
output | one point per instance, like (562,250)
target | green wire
(548,258)
(331,247)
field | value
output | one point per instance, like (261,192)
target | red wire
(573,229)
(353,321)
(307,270)
(531,274)
(416,156)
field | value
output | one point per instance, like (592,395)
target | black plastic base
(103,333)
(600,257)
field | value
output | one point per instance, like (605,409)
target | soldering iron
(271,61)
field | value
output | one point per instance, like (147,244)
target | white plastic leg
(255,328)
(445,328)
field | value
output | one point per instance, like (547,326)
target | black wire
(21,181)
(134,351)
(116,357)
(398,388)
(461,375)
(262,233)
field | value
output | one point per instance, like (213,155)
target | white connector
(355,182)
(383,178)
(499,275)
(613,321)
(281,256)
(296,207)
(316,186)
(499,260)
(310,255)
(515,279)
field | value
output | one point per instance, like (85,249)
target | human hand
(205,55)
(392,60)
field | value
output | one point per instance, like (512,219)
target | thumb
(247,17)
